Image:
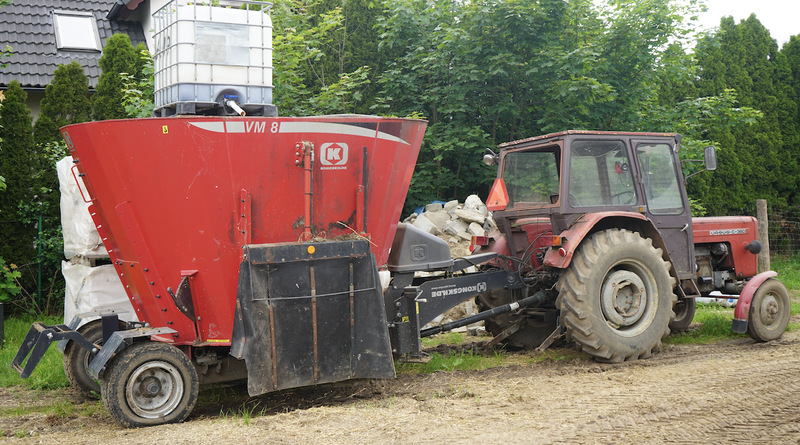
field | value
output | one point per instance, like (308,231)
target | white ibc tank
(206,54)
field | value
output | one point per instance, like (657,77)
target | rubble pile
(455,223)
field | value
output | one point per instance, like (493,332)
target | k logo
(334,153)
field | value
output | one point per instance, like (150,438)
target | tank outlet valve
(235,107)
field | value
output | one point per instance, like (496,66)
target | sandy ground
(735,391)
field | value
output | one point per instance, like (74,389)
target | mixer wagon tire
(616,296)
(76,360)
(149,383)
(769,311)
(684,314)
(531,332)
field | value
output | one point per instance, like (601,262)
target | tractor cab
(614,179)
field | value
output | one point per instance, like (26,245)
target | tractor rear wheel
(150,383)
(684,314)
(529,333)
(616,297)
(769,311)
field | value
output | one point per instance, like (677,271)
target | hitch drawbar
(38,339)
(534,300)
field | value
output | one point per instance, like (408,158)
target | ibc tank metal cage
(213,58)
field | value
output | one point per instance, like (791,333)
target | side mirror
(710,156)
(490,158)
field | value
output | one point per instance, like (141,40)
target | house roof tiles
(27,27)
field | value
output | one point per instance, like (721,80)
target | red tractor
(599,226)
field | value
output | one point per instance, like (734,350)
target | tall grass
(788,271)
(49,374)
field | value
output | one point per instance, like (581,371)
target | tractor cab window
(660,179)
(600,174)
(531,177)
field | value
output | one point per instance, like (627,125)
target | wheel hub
(150,386)
(768,310)
(154,389)
(623,298)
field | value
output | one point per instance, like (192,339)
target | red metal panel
(738,232)
(169,191)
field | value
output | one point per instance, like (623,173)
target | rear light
(478,241)
(557,241)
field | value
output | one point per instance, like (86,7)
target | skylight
(76,30)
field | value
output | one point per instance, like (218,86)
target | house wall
(144,15)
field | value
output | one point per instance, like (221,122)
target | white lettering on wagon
(452,289)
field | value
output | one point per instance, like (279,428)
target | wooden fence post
(763,235)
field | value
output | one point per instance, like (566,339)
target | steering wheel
(573,202)
(618,196)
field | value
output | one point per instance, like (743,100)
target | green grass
(246,413)
(788,272)
(715,325)
(49,373)
(459,359)
(447,338)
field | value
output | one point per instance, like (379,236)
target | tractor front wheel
(150,383)
(684,314)
(769,311)
(616,296)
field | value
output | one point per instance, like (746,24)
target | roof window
(76,30)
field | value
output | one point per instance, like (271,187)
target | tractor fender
(746,298)
(571,239)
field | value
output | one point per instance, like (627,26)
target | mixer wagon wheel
(150,383)
(76,360)
(616,297)
(684,314)
(769,311)
(531,332)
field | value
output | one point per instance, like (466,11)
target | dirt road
(735,391)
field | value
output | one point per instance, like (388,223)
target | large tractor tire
(770,311)
(616,297)
(150,383)
(531,332)
(76,360)
(684,314)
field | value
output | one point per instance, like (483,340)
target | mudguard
(572,237)
(746,298)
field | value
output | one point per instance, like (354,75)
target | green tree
(756,161)
(18,164)
(488,71)
(138,95)
(119,56)
(66,101)
(298,43)
(348,48)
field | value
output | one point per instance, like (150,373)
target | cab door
(667,205)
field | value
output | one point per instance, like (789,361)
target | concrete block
(423,223)
(433,207)
(439,219)
(476,229)
(470,215)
